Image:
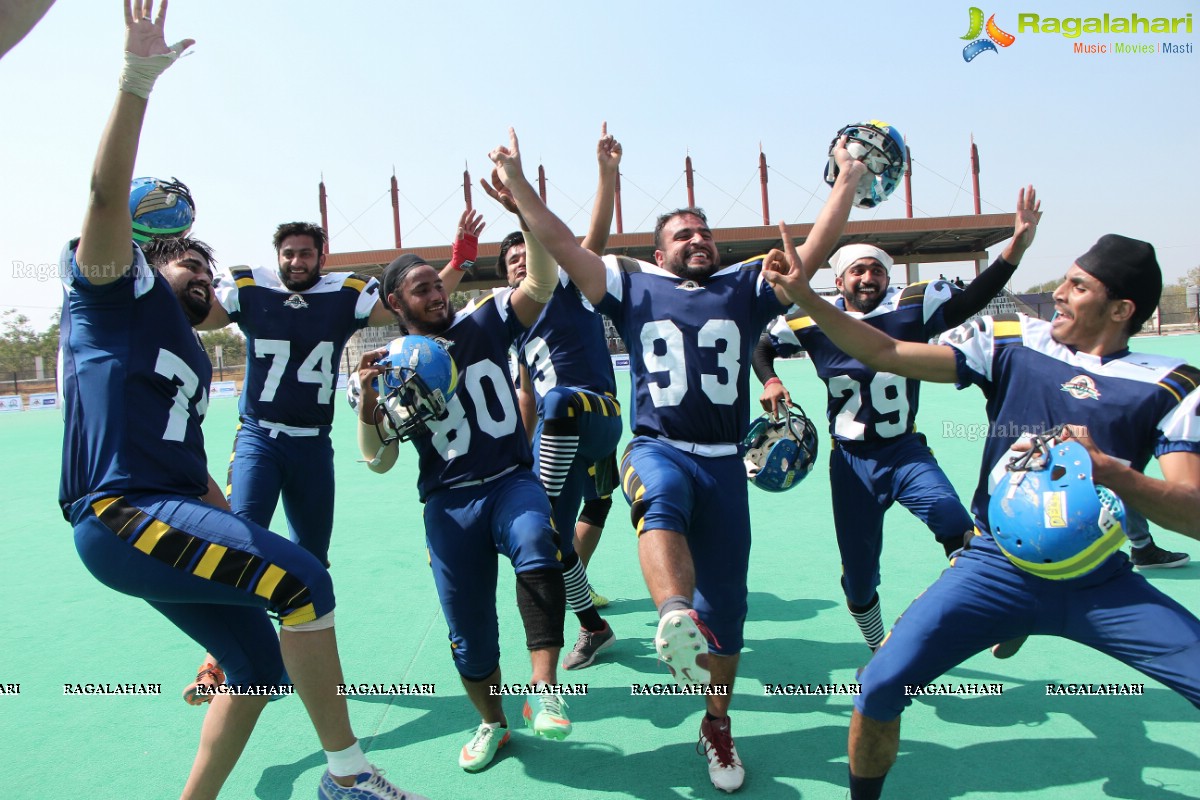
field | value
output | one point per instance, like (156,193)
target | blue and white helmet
(1048,516)
(417,383)
(881,148)
(160,208)
(780,452)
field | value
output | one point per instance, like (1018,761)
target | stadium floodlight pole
(691,183)
(321,202)
(975,172)
(908,182)
(762,177)
(396,208)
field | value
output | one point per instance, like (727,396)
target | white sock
(350,761)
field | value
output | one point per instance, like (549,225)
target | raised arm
(537,287)
(831,220)
(585,268)
(17,18)
(608,153)
(464,251)
(872,347)
(961,307)
(105,251)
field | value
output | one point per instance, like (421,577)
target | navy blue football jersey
(689,346)
(1135,405)
(566,346)
(482,436)
(294,340)
(865,405)
(134,381)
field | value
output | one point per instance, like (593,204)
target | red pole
(620,224)
(762,177)
(542,182)
(467,187)
(975,172)
(908,183)
(324,211)
(691,186)
(396,209)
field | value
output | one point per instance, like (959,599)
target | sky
(276,95)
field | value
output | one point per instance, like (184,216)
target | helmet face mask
(1049,518)
(780,453)
(160,208)
(415,388)
(881,148)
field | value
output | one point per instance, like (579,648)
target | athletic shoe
(210,676)
(725,769)
(1008,649)
(681,638)
(587,646)
(598,600)
(479,752)
(1154,557)
(550,719)
(367,786)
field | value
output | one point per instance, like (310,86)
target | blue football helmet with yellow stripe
(419,378)
(780,452)
(1048,516)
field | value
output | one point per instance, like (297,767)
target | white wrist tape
(541,273)
(141,72)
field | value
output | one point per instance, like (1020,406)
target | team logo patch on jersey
(690,286)
(1081,387)
(296,302)
(1054,509)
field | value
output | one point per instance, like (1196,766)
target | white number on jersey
(316,368)
(666,334)
(452,436)
(888,396)
(541,369)
(176,370)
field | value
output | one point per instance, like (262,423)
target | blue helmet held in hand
(780,452)
(1048,516)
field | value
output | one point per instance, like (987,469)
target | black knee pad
(595,512)
(542,601)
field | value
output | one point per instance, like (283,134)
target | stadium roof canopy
(922,240)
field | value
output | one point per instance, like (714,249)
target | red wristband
(769,381)
(464,252)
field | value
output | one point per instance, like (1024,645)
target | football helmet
(881,147)
(418,380)
(1048,516)
(160,208)
(780,452)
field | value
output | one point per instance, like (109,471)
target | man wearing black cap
(481,498)
(1122,407)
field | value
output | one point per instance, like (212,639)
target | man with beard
(481,498)
(690,326)
(1074,380)
(297,321)
(878,457)
(567,393)
(148,520)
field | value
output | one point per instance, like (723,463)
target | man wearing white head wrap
(878,457)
